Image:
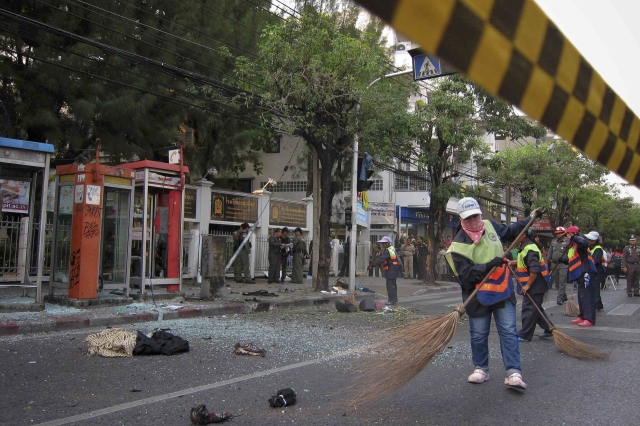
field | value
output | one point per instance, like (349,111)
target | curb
(10,328)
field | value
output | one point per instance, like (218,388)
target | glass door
(115,235)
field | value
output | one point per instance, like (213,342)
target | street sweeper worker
(390,263)
(533,278)
(582,272)
(600,260)
(475,251)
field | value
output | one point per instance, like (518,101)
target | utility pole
(316,220)
(354,193)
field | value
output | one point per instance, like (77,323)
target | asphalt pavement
(48,379)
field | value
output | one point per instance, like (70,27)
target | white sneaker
(478,376)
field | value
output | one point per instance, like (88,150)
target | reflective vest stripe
(522,271)
(603,260)
(575,265)
(393,259)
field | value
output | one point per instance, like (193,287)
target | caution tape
(513,50)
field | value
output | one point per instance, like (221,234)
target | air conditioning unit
(403,46)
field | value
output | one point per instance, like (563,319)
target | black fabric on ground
(160,343)
(259,293)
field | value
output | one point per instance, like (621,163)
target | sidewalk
(229,300)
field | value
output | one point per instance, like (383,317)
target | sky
(607,33)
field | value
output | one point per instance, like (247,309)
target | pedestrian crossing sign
(426,66)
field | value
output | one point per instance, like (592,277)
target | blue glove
(586,279)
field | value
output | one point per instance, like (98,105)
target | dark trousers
(598,281)
(392,290)
(531,316)
(285,259)
(633,275)
(422,267)
(586,299)
(344,271)
(274,267)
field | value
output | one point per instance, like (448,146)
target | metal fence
(9,239)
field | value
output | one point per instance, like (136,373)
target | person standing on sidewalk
(631,266)
(557,249)
(475,251)
(275,256)
(299,250)
(407,250)
(241,264)
(392,269)
(421,252)
(286,251)
(533,279)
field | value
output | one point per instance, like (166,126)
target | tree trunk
(433,237)
(326,197)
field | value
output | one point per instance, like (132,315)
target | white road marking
(624,309)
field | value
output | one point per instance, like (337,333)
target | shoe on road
(248,281)
(520,339)
(478,376)
(586,323)
(515,381)
(577,321)
(545,335)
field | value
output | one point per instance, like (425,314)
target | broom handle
(551,327)
(511,247)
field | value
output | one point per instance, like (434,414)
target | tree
(313,73)
(551,175)
(163,66)
(447,133)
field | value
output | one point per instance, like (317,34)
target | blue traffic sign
(427,66)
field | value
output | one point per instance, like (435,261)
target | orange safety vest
(523,273)
(575,264)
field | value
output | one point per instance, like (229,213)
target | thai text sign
(233,208)
(288,214)
(382,213)
(190,203)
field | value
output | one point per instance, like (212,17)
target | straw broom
(567,344)
(570,309)
(404,354)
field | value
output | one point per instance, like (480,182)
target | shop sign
(414,214)
(382,213)
(233,208)
(288,214)
(15,196)
(542,224)
(361,215)
(190,203)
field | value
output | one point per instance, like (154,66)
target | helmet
(573,229)
(368,304)
(560,230)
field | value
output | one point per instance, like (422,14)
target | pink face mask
(474,227)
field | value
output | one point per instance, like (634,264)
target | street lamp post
(354,193)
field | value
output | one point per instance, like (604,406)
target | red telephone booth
(156,246)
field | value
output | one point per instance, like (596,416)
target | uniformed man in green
(631,266)
(241,264)
(556,251)
(299,253)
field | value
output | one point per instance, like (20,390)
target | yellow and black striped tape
(513,50)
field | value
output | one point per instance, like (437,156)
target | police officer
(286,251)
(299,253)
(557,249)
(392,269)
(275,256)
(241,264)
(630,266)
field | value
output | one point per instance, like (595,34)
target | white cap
(385,240)
(593,236)
(468,206)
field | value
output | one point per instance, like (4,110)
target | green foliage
(141,108)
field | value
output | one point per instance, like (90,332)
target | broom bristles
(402,356)
(570,309)
(575,348)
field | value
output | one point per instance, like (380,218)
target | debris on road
(201,416)
(283,397)
(161,342)
(112,342)
(348,304)
(263,293)
(248,349)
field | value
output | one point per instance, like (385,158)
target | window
(273,146)
(411,181)
(377,185)
(287,186)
